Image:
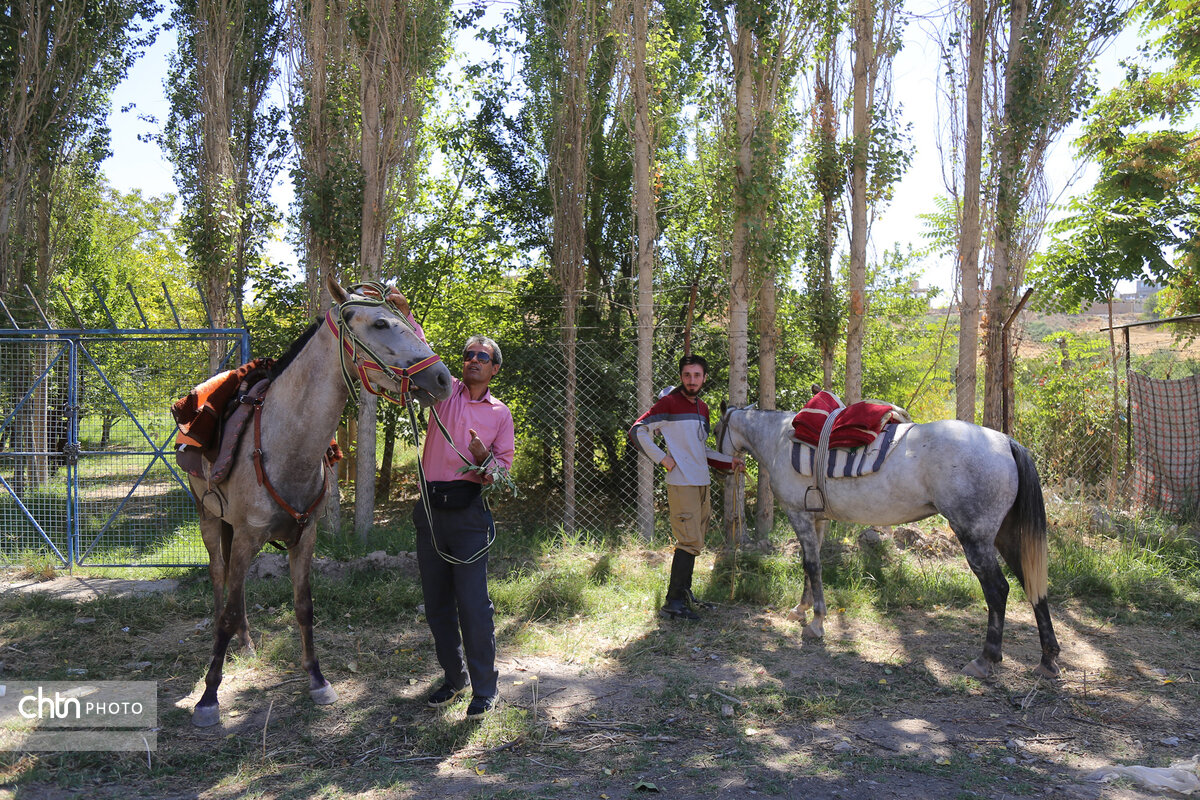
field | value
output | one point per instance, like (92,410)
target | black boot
(676,606)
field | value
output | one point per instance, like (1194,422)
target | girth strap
(301,517)
(819,466)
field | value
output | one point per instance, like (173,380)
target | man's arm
(397,298)
(641,436)
(502,449)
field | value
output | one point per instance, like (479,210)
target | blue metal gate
(87,473)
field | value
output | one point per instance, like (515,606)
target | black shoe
(677,608)
(444,695)
(480,706)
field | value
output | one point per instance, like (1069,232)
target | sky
(137,164)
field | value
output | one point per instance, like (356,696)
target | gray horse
(280,478)
(981,481)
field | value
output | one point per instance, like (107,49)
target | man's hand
(668,463)
(478,451)
(738,465)
(397,298)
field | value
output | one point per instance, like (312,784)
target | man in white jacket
(681,418)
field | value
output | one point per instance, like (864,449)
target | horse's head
(729,440)
(381,346)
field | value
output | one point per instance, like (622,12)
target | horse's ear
(724,407)
(335,290)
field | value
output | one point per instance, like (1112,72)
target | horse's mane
(294,349)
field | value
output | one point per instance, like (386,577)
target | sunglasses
(481,357)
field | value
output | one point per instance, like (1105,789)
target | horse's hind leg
(810,543)
(981,557)
(1009,549)
(300,563)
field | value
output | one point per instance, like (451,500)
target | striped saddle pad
(852,463)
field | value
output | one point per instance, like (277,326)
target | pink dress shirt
(488,417)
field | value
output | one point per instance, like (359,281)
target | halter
(373,295)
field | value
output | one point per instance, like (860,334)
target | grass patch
(620,688)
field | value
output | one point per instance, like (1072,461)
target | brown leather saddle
(212,418)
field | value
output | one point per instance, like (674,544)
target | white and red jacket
(683,424)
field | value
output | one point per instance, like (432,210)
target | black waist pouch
(452,495)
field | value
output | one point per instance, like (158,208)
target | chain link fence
(533,384)
(89,477)
(1073,406)
(87,468)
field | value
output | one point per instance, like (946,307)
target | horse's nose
(443,379)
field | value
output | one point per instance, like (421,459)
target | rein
(468,466)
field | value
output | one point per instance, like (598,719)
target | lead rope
(424,485)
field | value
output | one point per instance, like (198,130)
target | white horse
(981,481)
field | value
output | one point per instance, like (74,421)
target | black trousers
(457,605)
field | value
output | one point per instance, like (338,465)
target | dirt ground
(735,706)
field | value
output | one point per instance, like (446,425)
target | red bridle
(371,363)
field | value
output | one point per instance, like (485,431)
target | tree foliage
(1140,218)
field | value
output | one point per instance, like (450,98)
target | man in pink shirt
(454,525)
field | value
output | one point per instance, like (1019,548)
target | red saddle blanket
(857,425)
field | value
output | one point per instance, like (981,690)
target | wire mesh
(88,460)
(533,384)
(35,508)
(1073,408)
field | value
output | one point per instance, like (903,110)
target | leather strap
(302,517)
(820,467)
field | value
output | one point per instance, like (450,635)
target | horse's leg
(799,612)
(810,543)
(299,564)
(981,556)
(228,623)
(1009,546)
(213,534)
(243,633)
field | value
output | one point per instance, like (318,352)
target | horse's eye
(381,323)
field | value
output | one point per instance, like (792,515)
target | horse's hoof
(206,716)
(799,613)
(813,632)
(323,696)
(1046,670)
(980,668)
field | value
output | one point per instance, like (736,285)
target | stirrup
(819,506)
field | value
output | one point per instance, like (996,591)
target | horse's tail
(1022,537)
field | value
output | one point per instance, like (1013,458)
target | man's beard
(691,395)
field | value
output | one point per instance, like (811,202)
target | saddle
(832,440)
(212,418)
(855,425)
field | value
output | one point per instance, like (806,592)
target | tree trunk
(864,27)
(383,488)
(644,212)
(768,345)
(1001,295)
(374,225)
(569,190)
(969,230)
